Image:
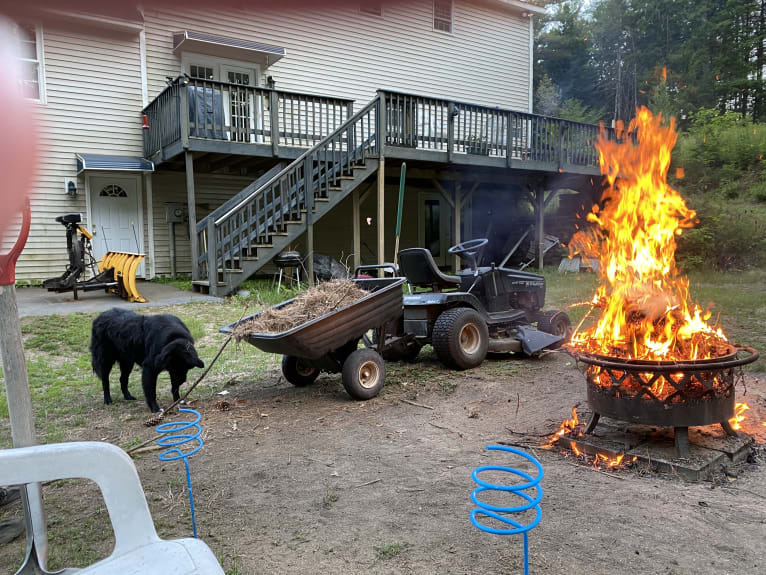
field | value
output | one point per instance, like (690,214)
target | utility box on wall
(175,213)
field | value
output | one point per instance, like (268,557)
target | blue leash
(174,453)
(499,513)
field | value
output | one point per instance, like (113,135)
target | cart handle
(8,261)
(390,267)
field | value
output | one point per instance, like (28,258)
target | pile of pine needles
(315,302)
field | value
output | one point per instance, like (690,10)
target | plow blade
(124,266)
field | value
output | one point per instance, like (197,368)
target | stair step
(249,258)
(325,199)
(229,270)
(206,283)
(346,177)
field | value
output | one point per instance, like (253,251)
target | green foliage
(386,552)
(547,97)
(576,111)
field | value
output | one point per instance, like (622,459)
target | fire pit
(678,394)
(652,356)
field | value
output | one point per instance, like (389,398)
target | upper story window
(201,72)
(372,8)
(443,15)
(29,38)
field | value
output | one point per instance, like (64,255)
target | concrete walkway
(38,301)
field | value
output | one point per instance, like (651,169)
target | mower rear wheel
(298,371)
(460,338)
(364,374)
(556,322)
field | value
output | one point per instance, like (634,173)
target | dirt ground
(308,481)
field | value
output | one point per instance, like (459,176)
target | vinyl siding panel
(93,105)
(341,52)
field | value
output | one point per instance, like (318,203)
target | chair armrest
(105,464)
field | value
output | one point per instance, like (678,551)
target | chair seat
(420,269)
(178,557)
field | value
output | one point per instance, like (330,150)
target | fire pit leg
(681,435)
(728,428)
(592,423)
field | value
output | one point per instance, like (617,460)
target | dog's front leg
(149,383)
(175,383)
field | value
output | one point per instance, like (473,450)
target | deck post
(356,227)
(212,259)
(309,199)
(183,114)
(508,139)
(192,207)
(456,222)
(540,213)
(381,215)
(450,131)
(274,121)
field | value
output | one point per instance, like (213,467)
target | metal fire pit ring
(702,391)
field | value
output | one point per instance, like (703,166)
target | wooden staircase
(246,232)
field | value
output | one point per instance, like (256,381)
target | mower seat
(69,219)
(419,267)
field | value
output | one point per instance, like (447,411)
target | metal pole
(17,388)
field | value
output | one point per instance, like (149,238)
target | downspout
(531,61)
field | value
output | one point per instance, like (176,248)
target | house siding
(341,52)
(93,105)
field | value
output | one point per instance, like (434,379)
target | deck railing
(434,124)
(194,108)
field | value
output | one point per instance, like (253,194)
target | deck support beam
(456,222)
(356,227)
(381,215)
(192,207)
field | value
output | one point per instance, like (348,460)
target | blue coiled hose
(177,439)
(500,513)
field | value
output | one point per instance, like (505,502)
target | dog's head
(179,355)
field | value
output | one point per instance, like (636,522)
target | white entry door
(116,224)
(239,104)
(434,224)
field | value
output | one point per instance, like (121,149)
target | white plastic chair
(137,549)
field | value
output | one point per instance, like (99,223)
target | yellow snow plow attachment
(124,266)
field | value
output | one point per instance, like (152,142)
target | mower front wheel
(460,338)
(298,371)
(364,374)
(556,322)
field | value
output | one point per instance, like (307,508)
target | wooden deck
(215,117)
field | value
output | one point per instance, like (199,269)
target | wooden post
(152,264)
(274,121)
(20,412)
(456,222)
(540,213)
(184,116)
(212,259)
(192,207)
(381,215)
(450,130)
(309,191)
(356,227)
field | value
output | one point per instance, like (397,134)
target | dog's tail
(97,351)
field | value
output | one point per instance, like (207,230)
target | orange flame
(646,313)
(739,417)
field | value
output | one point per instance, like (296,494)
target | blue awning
(112,163)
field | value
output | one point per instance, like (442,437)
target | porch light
(145,125)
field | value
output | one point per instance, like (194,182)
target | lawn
(66,394)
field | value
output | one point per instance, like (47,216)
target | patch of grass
(391,550)
(330,498)
(182,283)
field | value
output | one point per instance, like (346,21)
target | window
(29,38)
(443,15)
(201,72)
(372,8)
(113,191)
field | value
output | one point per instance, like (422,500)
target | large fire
(644,299)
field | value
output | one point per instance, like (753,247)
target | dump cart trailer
(329,343)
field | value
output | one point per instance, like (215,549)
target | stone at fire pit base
(653,446)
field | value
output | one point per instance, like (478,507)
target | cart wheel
(364,374)
(558,323)
(298,371)
(460,338)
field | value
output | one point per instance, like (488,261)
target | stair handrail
(352,120)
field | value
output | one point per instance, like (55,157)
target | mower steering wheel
(470,251)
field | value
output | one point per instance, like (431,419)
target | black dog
(155,342)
